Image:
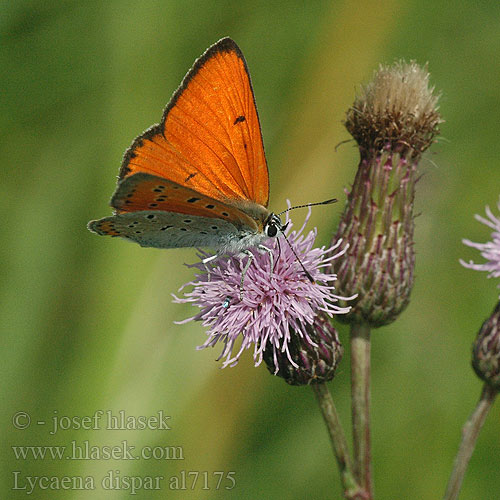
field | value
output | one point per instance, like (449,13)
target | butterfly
(199,178)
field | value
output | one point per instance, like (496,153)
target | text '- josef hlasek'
(101,419)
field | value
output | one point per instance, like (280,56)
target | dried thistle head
(397,107)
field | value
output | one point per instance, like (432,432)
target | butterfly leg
(245,269)
(206,261)
(271,256)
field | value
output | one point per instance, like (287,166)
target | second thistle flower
(393,120)
(486,347)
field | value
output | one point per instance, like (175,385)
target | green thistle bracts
(378,224)
(393,120)
(315,362)
(486,350)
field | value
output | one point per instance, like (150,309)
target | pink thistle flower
(490,250)
(274,305)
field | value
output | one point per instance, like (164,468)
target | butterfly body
(199,178)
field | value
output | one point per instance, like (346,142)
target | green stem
(360,400)
(470,432)
(339,442)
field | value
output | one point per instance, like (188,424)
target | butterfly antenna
(308,274)
(282,229)
(326,202)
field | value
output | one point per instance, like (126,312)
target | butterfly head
(273,225)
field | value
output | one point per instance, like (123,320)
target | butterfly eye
(271,230)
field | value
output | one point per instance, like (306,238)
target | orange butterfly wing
(141,191)
(209,138)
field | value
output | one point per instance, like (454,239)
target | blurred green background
(87,322)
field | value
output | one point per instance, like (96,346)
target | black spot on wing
(239,119)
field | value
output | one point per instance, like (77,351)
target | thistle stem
(470,432)
(360,401)
(338,440)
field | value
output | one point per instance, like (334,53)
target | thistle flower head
(274,305)
(489,250)
(394,120)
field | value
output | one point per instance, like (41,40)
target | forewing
(209,138)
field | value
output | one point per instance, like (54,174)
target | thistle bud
(310,359)
(486,350)
(393,120)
